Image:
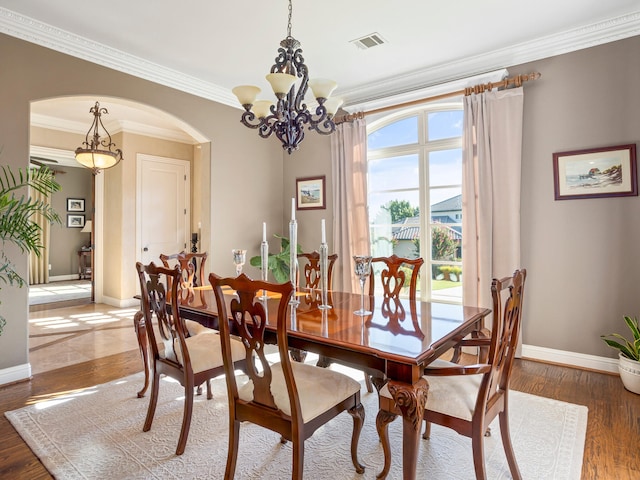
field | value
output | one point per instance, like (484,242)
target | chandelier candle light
(324,258)
(293,253)
(264,259)
(290,114)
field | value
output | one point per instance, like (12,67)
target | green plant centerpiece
(628,354)
(16,215)
(279,262)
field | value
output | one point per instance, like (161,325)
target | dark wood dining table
(394,344)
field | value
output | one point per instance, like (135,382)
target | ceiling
(206,48)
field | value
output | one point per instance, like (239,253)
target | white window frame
(422,149)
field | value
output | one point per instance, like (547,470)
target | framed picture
(75,221)
(75,204)
(310,193)
(596,173)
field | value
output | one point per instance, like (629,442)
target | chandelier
(96,153)
(288,117)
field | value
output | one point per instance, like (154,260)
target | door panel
(163,211)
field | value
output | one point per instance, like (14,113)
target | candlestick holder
(293,260)
(324,279)
(264,266)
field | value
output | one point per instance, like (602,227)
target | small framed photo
(596,173)
(311,193)
(75,204)
(75,221)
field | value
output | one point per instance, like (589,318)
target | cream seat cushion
(195,328)
(454,396)
(205,350)
(319,389)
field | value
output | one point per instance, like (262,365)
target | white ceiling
(206,48)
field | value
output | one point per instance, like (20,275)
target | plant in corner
(16,214)
(629,354)
(278,263)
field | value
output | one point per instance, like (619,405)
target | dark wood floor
(613,433)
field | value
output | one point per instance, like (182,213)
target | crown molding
(606,31)
(33,31)
(48,36)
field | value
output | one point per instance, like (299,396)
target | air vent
(369,41)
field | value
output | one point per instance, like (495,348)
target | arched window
(415,193)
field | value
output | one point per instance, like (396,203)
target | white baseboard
(14,374)
(572,359)
(63,278)
(120,303)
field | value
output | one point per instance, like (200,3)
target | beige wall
(245,186)
(583,269)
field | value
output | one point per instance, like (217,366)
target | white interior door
(163,207)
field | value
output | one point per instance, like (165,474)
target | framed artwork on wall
(75,221)
(310,193)
(596,173)
(75,204)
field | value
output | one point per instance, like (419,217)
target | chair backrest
(394,275)
(192,266)
(508,294)
(154,295)
(247,316)
(312,269)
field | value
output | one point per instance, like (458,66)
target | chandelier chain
(289,22)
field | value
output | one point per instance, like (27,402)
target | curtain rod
(516,81)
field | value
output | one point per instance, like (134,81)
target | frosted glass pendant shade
(96,159)
(333,104)
(322,88)
(246,94)
(281,82)
(261,108)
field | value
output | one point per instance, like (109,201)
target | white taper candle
(324,233)
(264,231)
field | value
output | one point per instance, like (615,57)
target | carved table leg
(298,355)
(141,333)
(411,400)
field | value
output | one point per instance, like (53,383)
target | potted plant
(16,214)
(278,263)
(629,354)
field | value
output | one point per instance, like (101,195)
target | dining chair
(192,266)
(393,275)
(290,398)
(311,270)
(466,398)
(191,359)
(312,277)
(393,278)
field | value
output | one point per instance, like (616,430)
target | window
(415,193)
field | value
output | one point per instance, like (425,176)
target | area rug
(96,433)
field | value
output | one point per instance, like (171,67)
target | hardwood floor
(612,440)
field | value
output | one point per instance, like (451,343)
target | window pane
(446,201)
(446,124)
(445,167)
(391,207)
(446,282)
(402,132)
(446,242)
(393,173)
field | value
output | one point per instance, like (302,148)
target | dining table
(393,344)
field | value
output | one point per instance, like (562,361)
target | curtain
(350,214)
(39,266)
(491,164)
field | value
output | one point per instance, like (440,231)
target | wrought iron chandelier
(288,117)
(95,153)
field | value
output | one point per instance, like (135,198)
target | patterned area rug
(97,433)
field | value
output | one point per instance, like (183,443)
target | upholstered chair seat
(319,389)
